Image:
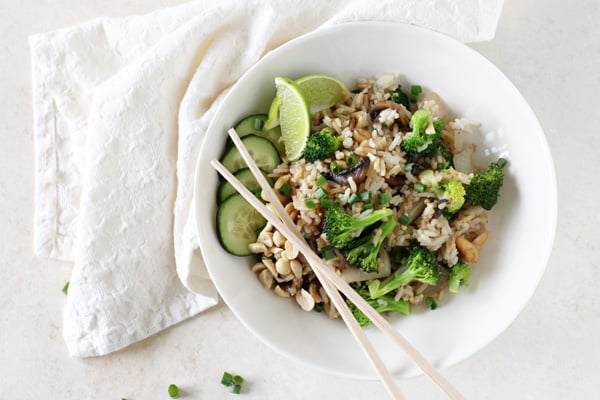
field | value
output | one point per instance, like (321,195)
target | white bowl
(522,224)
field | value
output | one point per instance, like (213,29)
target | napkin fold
(120,109)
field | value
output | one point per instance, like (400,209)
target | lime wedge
(294,117)
(321,91)
(273,118)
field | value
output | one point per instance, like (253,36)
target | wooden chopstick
(328,277)
(359,335)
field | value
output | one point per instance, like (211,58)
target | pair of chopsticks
(331,282)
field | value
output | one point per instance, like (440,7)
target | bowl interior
(521,227)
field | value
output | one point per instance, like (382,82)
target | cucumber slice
(237,224)
(255,125)
(245,176)
(263,152)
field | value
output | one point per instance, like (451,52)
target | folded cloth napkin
(120,108)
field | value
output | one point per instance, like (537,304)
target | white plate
(522,225)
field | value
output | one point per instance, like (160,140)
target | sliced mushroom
(403,113)
(396,180)
(358,172)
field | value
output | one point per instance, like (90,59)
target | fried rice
(370,125)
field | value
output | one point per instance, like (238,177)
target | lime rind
(273,116)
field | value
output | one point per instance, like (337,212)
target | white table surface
(549,49)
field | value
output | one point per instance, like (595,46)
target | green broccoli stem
(394,281)
(382,304)
(421,265)
(339,227)
(388,303)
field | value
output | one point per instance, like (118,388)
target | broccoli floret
(340,227)
(485,187)
(321,145)
(364,252)
(453,192)
(447,155)
(459,276)
(360,316)
(398,96)
(415,91)
(420,142)
(421,265)
(438,125)
(382,304)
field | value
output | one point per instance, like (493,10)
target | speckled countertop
(549,49)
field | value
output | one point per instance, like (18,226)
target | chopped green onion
(285,189)
(321,194)
(431,303)
(258,124)
(351,160)
(328,253)
(369,206)
(383,198)
(173,391)
(321,180)
(326,203)
(65,288)
(415,90)
(227,379)
(334,167)
(501,163)
(419,187)
(310,203)
(365,196)
(404,219)
(319,306)
(353,198)
(234,382)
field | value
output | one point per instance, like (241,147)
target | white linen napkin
(120,108)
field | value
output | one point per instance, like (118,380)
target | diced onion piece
(463,160)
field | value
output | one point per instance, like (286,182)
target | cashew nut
(467,249)
(480,239)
